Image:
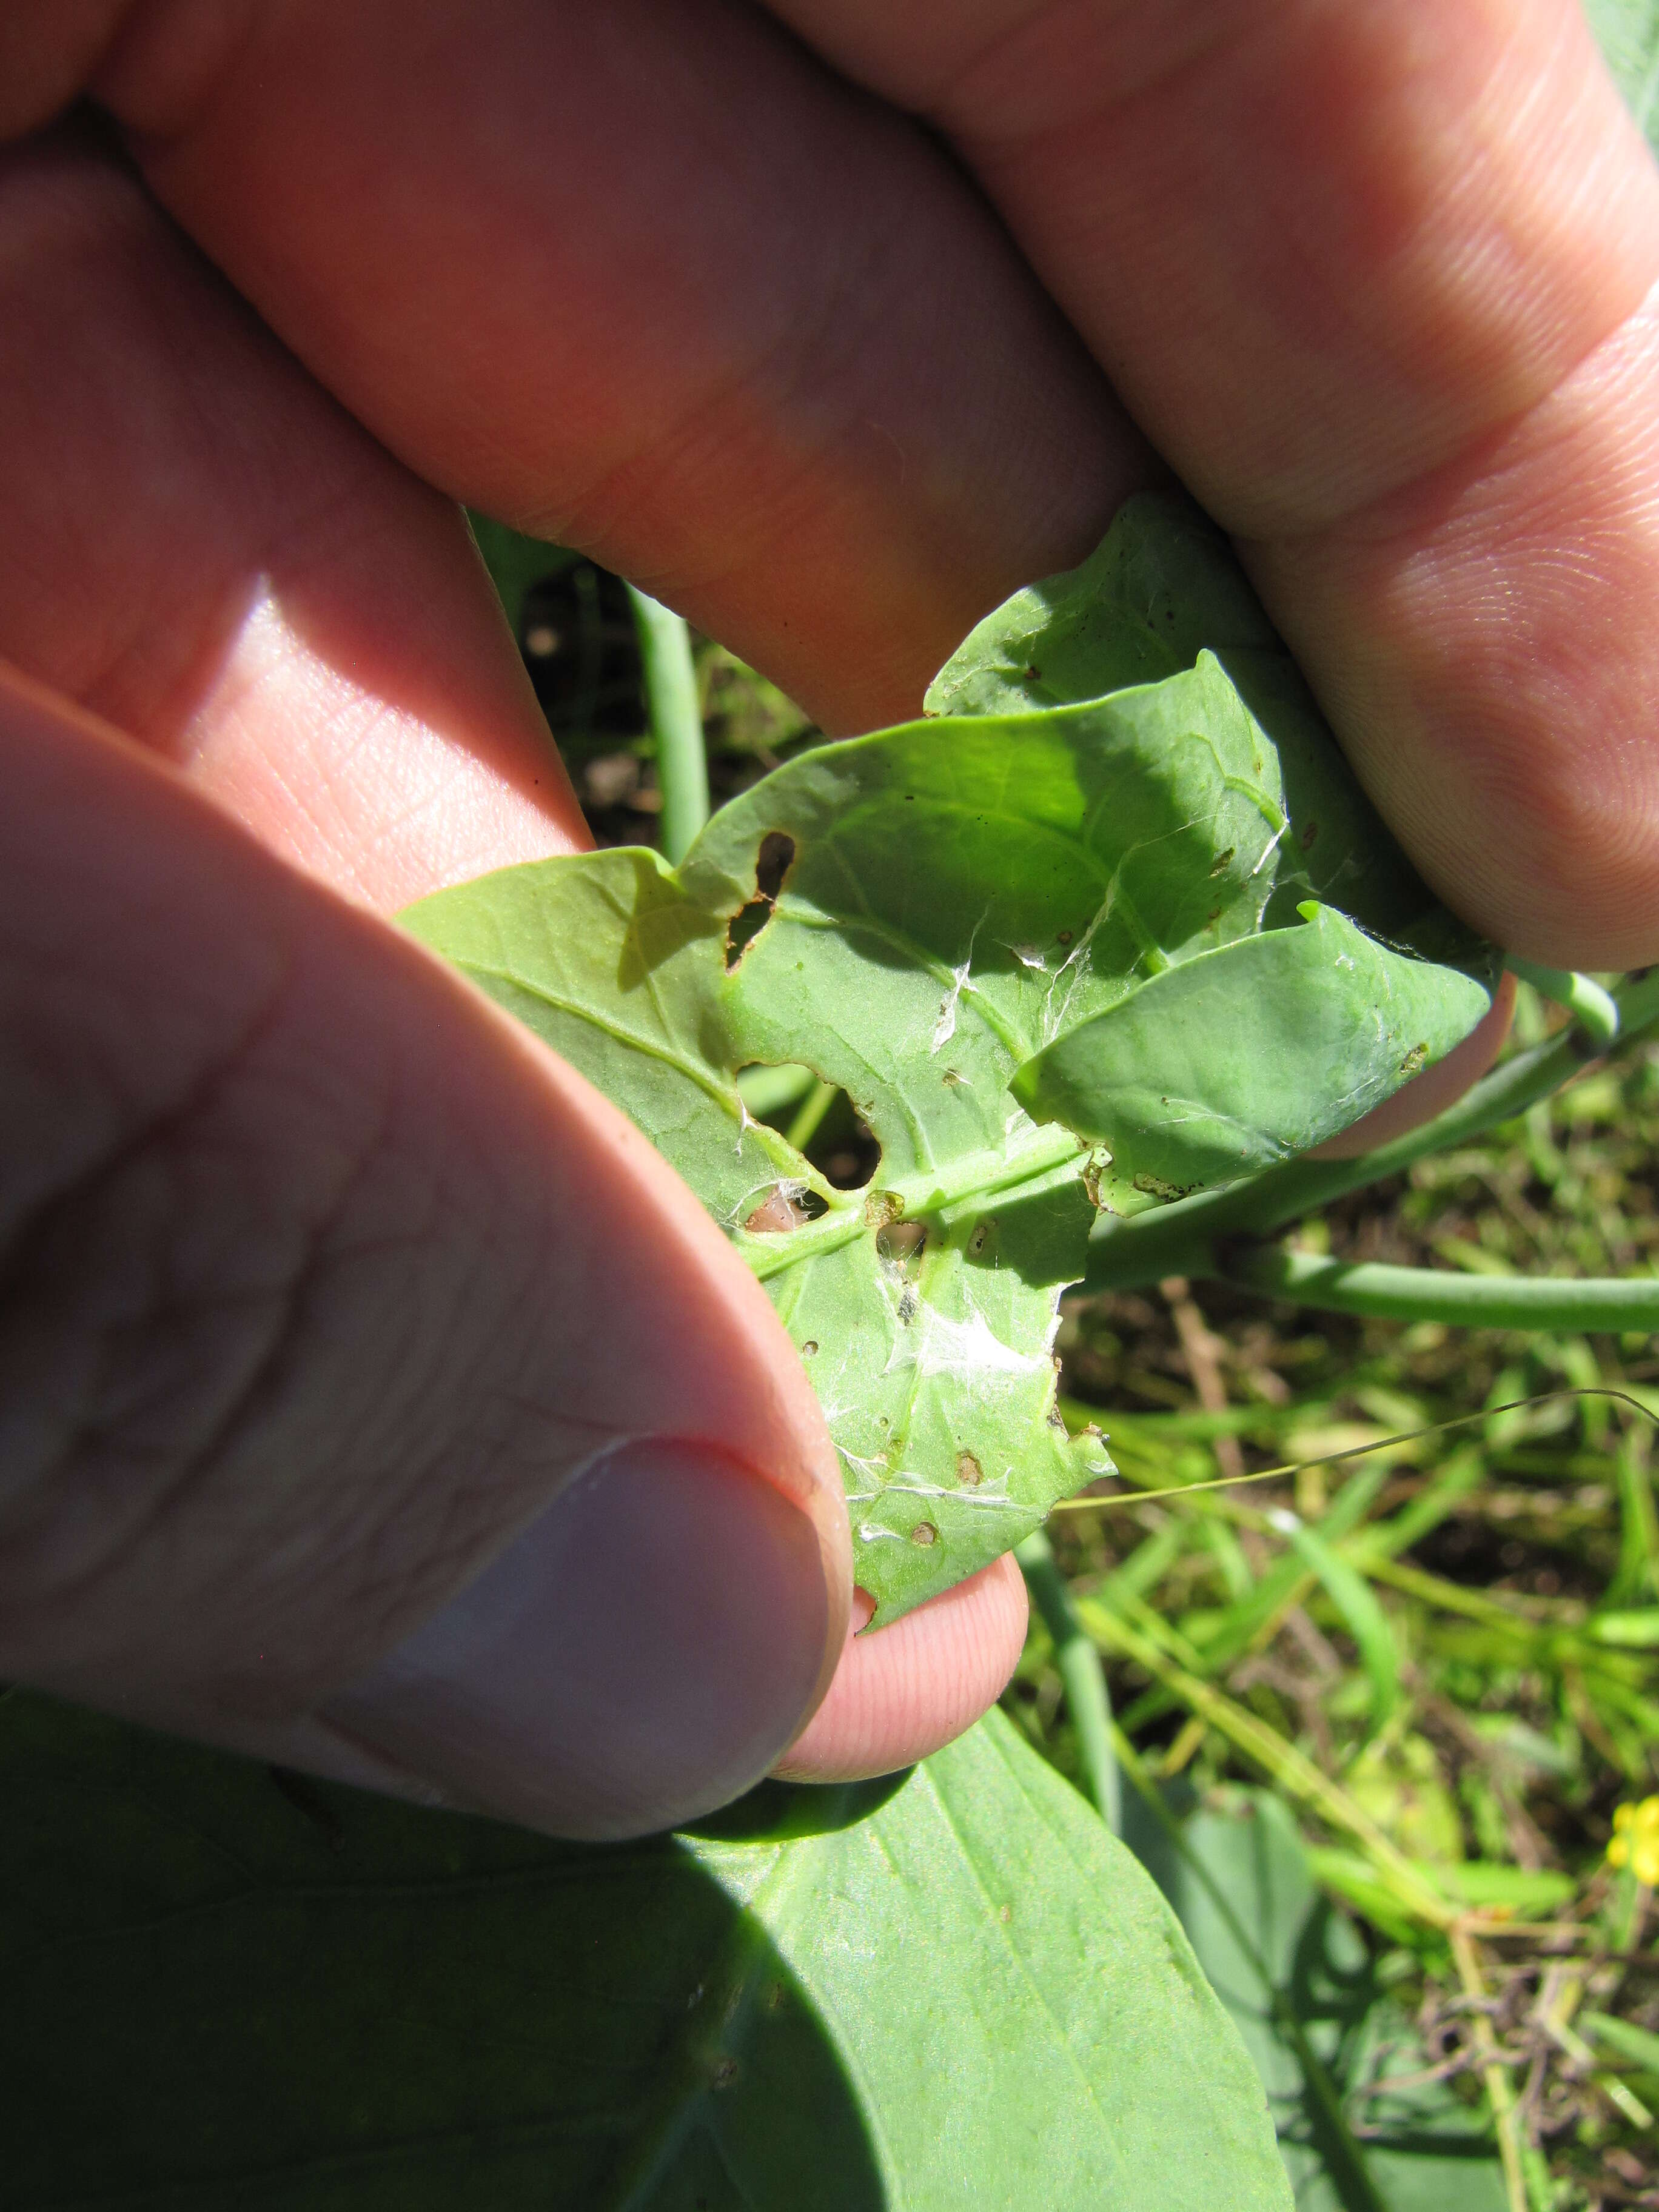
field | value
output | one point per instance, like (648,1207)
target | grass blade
(1078,1663)
(1355,1599)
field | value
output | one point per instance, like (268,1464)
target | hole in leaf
(771,865)
(784,1207)
(773,862)
(746,925)
(901,1241)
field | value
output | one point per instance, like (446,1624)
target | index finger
(1376,279)
(649,280)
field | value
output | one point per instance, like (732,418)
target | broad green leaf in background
(953,1988)
(1414,2148)
(1006,934)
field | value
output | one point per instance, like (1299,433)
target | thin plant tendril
(1356,1451)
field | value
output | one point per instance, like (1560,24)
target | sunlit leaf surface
(953,1988)
(1054,943)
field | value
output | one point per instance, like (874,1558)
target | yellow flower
(1636,1840)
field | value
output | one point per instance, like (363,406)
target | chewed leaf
(1080,903)
(956,897)
(1163,589)
(1242,1056)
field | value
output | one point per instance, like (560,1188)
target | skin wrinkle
(98,1190)
(1506,627)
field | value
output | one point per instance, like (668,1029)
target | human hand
(316,1267)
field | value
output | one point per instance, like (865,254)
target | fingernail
(641,1654)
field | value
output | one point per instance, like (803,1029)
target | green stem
(676,716)
(1046,1155)
(1433,1294)
(1182,1239)
(1081,1676)
(810,1114)
(1596,1011)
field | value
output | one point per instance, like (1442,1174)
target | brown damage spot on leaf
(1308,835)
(772,864)
(968,1470)
(924,1533)
(1222,862)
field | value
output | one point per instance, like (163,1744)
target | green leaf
(915,917)
(1628,32)
(1419,2150)
(515,563)
(227,1987)
(1163,590)
(1639,2046)
(933,1359)
(1236,1061)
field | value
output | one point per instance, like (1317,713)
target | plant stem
(1182,1239)
(1596,1011)
(1500,2090)
(810,1114)
(1087,1699)
(676,717)
(1047,1155)
(1435,1294)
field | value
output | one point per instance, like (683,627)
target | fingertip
(901,1692)
(634,1659)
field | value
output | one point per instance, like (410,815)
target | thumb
(375,1398)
